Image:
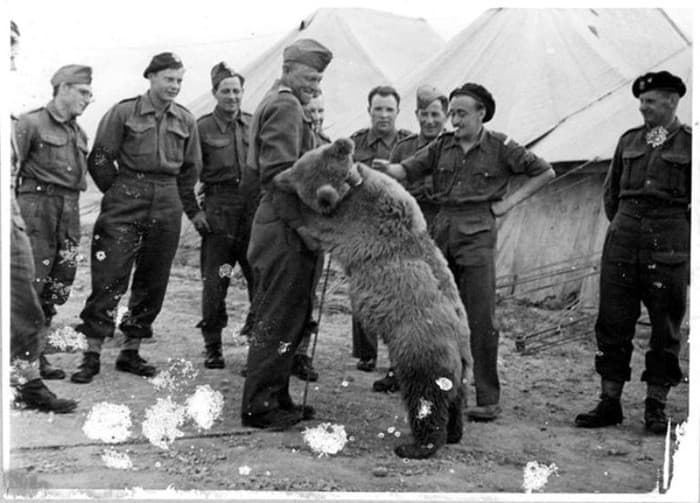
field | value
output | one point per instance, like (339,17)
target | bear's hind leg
(455,422)
(428,417)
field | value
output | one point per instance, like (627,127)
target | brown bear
(399,284)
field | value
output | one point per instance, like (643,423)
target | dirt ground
(541,394)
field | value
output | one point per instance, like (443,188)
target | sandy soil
(541,394)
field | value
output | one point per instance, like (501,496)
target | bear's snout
(327,198)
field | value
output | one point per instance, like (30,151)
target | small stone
(380,471)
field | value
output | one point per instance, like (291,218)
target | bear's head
(322,177)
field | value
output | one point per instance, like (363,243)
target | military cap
(426,94)
(657,80)
(72,74)
(163,61)
(221,71)
(479,93)
(308,52)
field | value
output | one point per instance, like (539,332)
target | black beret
(479,93)
(163,61)
(221,71)
(657,80)
(308,52)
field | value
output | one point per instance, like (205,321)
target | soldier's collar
(373,137)
(222,120)
(148,108)
(53,112)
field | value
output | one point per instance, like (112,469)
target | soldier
(145,160)
(646,253)
(26,316)
(471,168)
(223,222)
(302,366)
(51,153)
(281,253)
(431,113)
(375,142)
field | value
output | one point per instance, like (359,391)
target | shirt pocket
(175,138)
(674,173)
(633,170)
(140,139)
(53,148)
(217,151)
(82,155)
(443,175)
(486,176)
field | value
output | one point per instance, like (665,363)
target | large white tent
(562,80)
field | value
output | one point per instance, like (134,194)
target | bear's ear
(342,147)
(327,198)
(285,181)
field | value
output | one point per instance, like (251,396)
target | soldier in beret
(471,168)
(26,316)
(646,253)
(223,221)
(51,154)
(375,142)
(431,113)
(281,253)
(146,159)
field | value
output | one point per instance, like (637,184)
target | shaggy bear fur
(399,284)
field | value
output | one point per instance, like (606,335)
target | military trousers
(283,272)
(467,237)
(645,261)
(26,315)
(52,218)
(222,248)
(137,230)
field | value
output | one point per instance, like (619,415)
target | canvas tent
(369,48)
(561,79)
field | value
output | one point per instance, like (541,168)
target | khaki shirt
(132,135)
(480,175)
(370,146)
(51,149)
(639,170)
(224,146)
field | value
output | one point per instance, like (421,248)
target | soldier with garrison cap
(51,155)
(375,142)
(282,254)
(431,113)
(146,159)
(646,253)
(471,168)
(223,221)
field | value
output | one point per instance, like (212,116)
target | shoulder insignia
(634,129)
(205,116)
(404,133)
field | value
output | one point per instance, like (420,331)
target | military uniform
(283,267)
(158,159)
(646,254)
(465,185)
(370,146)
(52,153)
(224,149)
(420,189)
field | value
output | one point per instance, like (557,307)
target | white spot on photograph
(536,475)
(108,422)
(205,406)
(117,460)
(162,422)
(326,438)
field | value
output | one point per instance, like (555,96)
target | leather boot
(655,420)
(130,361)
(48,371)
(214,358)
(89,367)
(387,384)
(608,412)
(35,395)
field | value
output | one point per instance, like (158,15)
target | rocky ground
(541,394)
